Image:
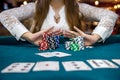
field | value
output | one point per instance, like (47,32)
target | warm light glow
(25,3)
(118,6)
(96,2)
(116,0)
(115,7)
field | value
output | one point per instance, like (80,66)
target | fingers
(40,33)
(70,34)
(57,32)
(79,31)
(73,33)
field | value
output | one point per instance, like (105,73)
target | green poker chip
(74,47)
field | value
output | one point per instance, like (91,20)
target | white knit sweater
(11,19)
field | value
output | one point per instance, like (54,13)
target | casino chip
(75,44)
(67,44)
(49,42)
(43,45)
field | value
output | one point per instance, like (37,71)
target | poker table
(17,51)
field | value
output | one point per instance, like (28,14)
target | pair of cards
(53,54)
(25,67)
(95,63)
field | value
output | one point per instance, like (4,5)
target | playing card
(46,54)
(53,54)
(20,67)
(75,66)
(97,63)
(116,61)
(60,54)
(47,66)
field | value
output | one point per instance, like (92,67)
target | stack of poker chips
(49,42)
(75,44)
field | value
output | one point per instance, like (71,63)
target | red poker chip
(43,45)
(45,35)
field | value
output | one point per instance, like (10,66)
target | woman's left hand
(89,39)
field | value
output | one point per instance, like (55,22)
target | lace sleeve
(106,19)
(11,19)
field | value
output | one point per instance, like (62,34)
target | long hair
(71,11)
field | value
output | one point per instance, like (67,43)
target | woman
(64,15)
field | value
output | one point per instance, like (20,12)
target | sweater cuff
(102,32)
(18,31)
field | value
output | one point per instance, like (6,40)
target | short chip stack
(49,42)
(75,44)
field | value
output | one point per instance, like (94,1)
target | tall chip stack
(75,44)
(49,42)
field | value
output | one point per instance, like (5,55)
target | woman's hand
(57,32)
(35,38)
(89,39)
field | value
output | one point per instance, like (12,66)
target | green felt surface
(13,51)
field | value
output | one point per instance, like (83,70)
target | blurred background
(113,5)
